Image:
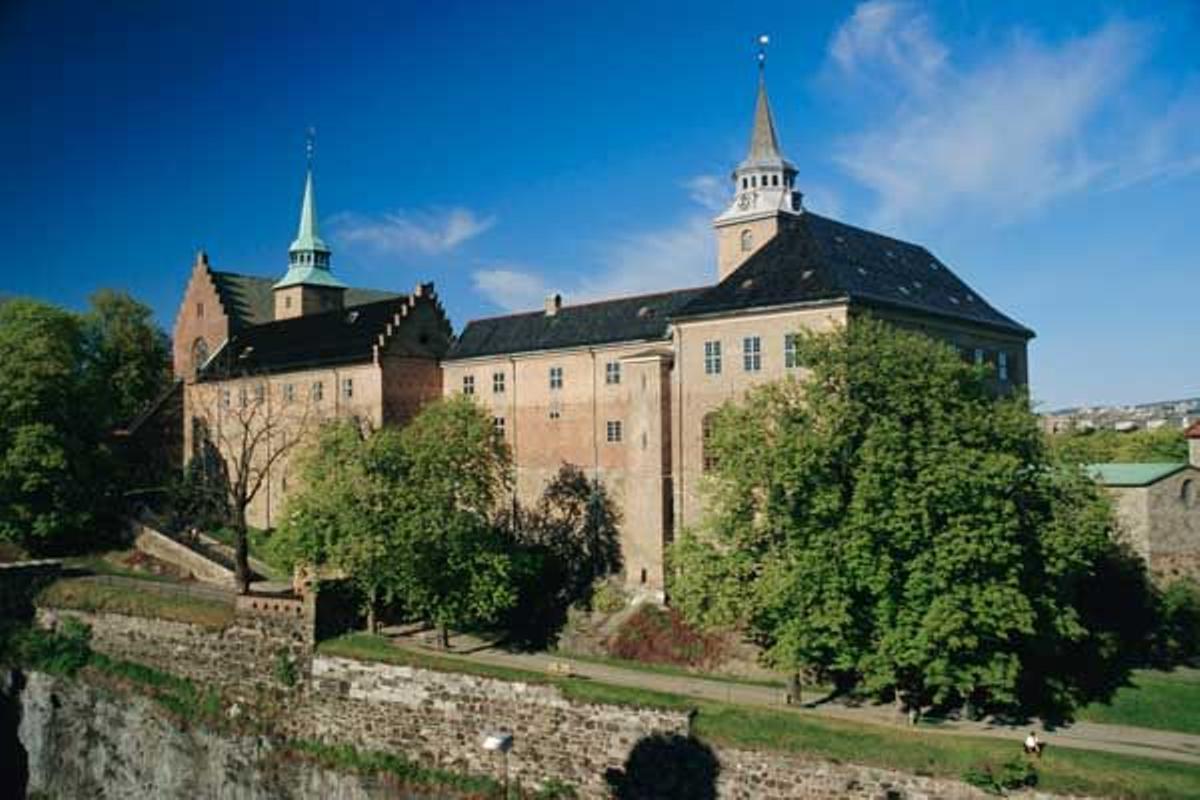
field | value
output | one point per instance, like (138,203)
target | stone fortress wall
(439,718)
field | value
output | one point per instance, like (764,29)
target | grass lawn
(256,543)
(925,753)
(86,595)
(667,669)
(1165,700)
(108,564)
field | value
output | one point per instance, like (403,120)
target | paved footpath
(1145,742)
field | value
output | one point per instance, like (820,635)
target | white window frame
(752,354)
(556,379)
(498,381)
(612,373)
(613,432)
(791,355)
(1002,365)
(468,384)
(347,388)
(712,357)
(318,391)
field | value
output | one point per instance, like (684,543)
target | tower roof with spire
(764,142)
(308,255)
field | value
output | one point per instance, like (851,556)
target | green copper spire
(308,257)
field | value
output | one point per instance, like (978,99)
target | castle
(623,388)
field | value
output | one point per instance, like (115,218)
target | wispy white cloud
(892,40)
(678,254)
(511,288)
(1005,131)
(427,232)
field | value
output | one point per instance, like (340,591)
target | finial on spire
(310,143)
(763,41)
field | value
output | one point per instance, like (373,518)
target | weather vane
(310,143)
(763,41)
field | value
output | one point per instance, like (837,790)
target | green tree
(49,443)
(408,515)
(890,523)
(1105,446)
(127,355)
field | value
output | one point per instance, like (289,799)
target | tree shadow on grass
(666,767)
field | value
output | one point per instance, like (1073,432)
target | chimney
(1193,437)
(553,304)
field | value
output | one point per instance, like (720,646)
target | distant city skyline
(1047,154)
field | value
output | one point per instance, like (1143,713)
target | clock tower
(765,197)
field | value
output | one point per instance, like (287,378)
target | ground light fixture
(500,742)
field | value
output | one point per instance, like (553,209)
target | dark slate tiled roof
(624,319)
(250,300)
(345,336)
(815,258)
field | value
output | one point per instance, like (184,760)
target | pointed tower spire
(308,284)
(764,184)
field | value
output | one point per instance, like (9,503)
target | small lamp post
(502,742)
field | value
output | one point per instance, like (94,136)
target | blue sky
(1050,152)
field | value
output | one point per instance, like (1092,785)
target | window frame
(612,373)
(752,353)
(712,357)
(499,383)
(613,431)
(468,385)
(556,379)
(791,351)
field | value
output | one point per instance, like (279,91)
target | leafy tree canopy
(889,522)
(65,380)
(1144,446)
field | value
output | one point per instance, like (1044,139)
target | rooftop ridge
(568,306)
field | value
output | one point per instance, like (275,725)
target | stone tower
(308,287)
(765,192)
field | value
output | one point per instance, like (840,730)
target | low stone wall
(20,581)
(241,656)
(441,718)
(438,718)
(164,548)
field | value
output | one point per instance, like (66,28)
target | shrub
(285,668)
(1016,773)
(608,598)
(1179,631)
(662,636)
(61,652)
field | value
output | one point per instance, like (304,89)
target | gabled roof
(1131,474)
(624,319)
(249,300)
(814,258)
(345,336)
(1193,432)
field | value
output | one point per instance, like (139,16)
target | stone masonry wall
(238,657)
(441,718)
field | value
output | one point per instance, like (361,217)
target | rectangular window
(347,388)
(318,391)
(555,410)
(498,426)
(556,377)
(752,354)
(978,356)
(712,358)
(497,383)
(225,398)
(791,356)
(1002,366)
(612,372)
(289,392)
(241,396)
(468,384)
(260,393)
(613,430)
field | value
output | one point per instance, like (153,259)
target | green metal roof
(309,275)
(307,238)
(1132,474)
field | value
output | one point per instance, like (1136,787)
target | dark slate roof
(345,336)
(249,299)
(815,258)
(624,319)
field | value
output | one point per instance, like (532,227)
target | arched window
(747,241)
(1187,493)
(707,426)
(199,354)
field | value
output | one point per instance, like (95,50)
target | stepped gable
(814,258)
(641,317)
(344,336)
